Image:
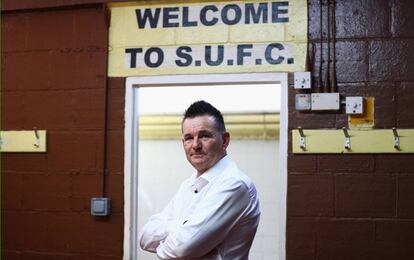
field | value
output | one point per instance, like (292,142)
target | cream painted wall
(162,167)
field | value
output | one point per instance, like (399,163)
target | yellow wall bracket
(23,141)
(345,141)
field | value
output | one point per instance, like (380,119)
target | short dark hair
(202,108)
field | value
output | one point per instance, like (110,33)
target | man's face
(203,144)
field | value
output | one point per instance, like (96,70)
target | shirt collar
(198,183)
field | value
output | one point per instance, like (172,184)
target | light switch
(100,206)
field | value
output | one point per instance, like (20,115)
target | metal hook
(347,139)
(396,138)
(302,143)
(37,142)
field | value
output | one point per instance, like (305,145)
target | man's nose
(196,143)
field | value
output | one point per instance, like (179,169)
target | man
(215,213)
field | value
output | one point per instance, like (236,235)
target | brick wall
(357,206)
(53,78)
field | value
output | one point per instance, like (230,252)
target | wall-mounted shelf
(359,141)
(23,141)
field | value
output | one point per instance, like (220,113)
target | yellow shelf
(23,141)
(361,141)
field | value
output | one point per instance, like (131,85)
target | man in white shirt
(215,213)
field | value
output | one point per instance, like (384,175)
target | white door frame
(131,147)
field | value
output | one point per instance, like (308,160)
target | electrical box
(100,207)
(303,102)
(325,101)
(302,80)
(354,105)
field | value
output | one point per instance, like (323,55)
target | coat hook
(396,138)
(302,143)
(37,142)
(347,139)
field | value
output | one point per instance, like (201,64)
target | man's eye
(188,138)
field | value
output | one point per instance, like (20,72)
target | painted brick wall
(53,78)
(357,206)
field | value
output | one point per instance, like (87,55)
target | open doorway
(254,109)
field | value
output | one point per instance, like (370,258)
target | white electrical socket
(302,80)
(354,105)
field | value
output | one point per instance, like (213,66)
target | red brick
(94,233)
(14,28)
(95,257)
(350,163)
(35,4)
(344,240)
(115,152)
(12,102)
(310,195)
(45,256)
(405,202)
(75,152)
(116,101)
(87,109)
(24,162)
(84,187)
(401,20)
(392,60)
(27,70)
(395,232)
(77,109)
(405,111)
(361,19)
(25,231)
(302,163)
(41,30)
(365,196)
(11,255)
(394,163)
(300,239)
(46,192)
(90,27)
(394,240)
(351,61)
(12,191)
(87,63)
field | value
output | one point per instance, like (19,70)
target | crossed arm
(205,228)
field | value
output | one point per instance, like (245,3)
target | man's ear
(226,139)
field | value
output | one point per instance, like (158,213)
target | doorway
(260,155)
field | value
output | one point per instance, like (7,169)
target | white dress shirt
(214,216)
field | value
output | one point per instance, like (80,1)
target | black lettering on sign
(241,53)
(203,15)
(182,52)
(148,16)
(167,15)
(261,12)
(276,12)
(186,21)
(220,55)
(159,57)
(225,14)
(268,53)
(133,52)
